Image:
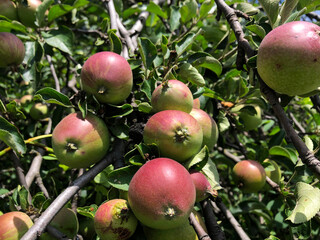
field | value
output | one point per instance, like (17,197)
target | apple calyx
(170,213)
(181,135)
(72,147)
(102,90)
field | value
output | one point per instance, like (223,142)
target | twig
(39,182)
(198,228)
(34,168)
(53,71)
(67,194)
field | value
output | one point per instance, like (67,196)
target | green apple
(8,9)
(27,14)
(250,120)
(39,111)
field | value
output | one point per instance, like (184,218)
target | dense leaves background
(186,40)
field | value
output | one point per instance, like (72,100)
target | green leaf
(285,152)
(14,111)
(210,63)
(148,51)
(247,8)
(211,172)
(188,10)
(200,158)
(119,111)
(156,9)
(258,30)
(307,205)
(10,135)
(88,211)
(175,16)
(191,74)
(59,10)
(14,25)
(206,6)
(51,95)
(144,107)
(185,42)
(271,8)
(121,177)
(308,142)
(41,11)
(115,42)
(295,16)
(61,39)
(287,7)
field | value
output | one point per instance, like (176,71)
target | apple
(78,142)
(202,185)
(12,50)
(250,176)
(26,99)
(250,121)
(183,232)
(115,220)
(288,58)
(177,134)
(8,9)
(39,111)
(162,194)
(209,127)
(172,95)
(86,228)
(27,14)
(107,76)
(196,103)
(14,225)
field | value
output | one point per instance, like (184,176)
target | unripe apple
(162,194)
(26,99)
(12,50)
(250,121)
(177,134)
(13,225)
(8,9)
(78,142)
(107,76)
(250,176)
(288,58)
(115,220)
(39,111)
(209,127)
(27,14)
(172,95)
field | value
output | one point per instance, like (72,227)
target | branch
(198,228)
(53,71)
(67,194)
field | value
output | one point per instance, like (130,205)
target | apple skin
(183,232)
(177,134)
(39,111)
(172,95)
(288,58)
(78,142)
(250,175)
(209,127)
(14,225)
(250,122)
(107,76)
(26,99)
(196,103)
(115,220)
(66,222)
(27,14)
(202,185)
(162,194)
(12,50)
(8,9)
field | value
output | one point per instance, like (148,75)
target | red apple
(108,77)
(250,175)
(78,142)
(162,194)
(8,9)
(12,50)
(14,225)
(208,125)
(115,220)
(196,103)
(172,95)
(202,185)
(27,14)
(288,58)
(177,134)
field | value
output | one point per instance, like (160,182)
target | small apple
(107,76)
(27,14)
(250,176)
(288,58)
(12,50)
(86,228)
(39,111)
(250,121)
(14,225)
(26,99)
(78,142)
(8,9)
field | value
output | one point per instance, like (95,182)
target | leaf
(115,42)
(287,8)
(59,10)
(14,25)
(201,157)
(61,39)
(10,135)
(210,63)
(188,10)
(308,142)
(211,172)
(175,16)
(285,152)
(148,51)
(88,211)
(119,111)
(206,6)
(41,11)
(51,95)
(307,204)
(191,74)
(271,8)
(156,9)
(247,8)
(121,177)
(185,42)
(257,30)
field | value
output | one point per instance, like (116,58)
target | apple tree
(163,119)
